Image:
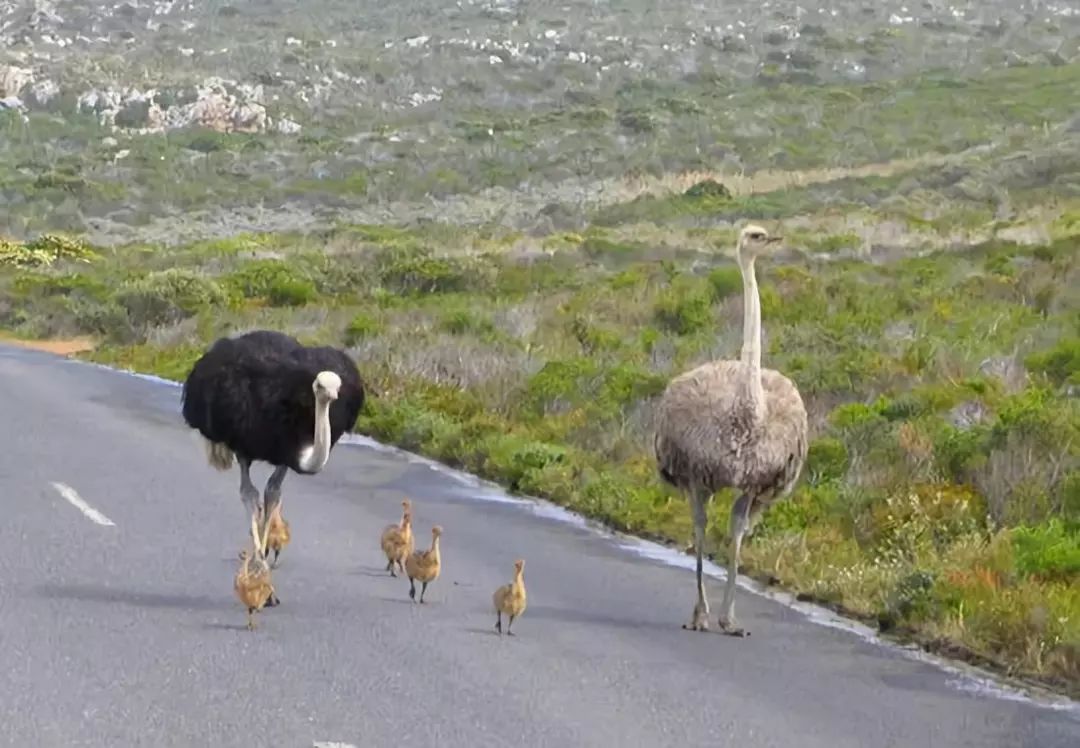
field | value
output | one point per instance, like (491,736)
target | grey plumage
(732,424)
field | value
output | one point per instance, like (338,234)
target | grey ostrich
(732,423)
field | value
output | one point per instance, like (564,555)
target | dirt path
(61,347)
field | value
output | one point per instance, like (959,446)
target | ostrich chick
(510,598)
(277,533)
(732,424)
(424,566)
(253,585)
(397,540)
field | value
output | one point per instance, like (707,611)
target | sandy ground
(62,347)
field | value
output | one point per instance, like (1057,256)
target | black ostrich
(264,396)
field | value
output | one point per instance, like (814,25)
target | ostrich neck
(435,549)
(314,458)
(754,394)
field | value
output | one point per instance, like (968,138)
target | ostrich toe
(731,628)
(700,620)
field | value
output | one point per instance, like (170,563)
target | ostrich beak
(774,239)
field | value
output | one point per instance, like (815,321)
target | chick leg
(700,619)
(249,494)
(251,619)
(422,591)
(498,621)
(390,567)
(740,523)
(508,625)
(412,588)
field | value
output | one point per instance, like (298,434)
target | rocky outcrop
(217,104)
(13,79)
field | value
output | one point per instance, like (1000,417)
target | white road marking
(321,744)
(77,501)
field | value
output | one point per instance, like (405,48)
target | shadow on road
(569,615)
(99,594)
(373,571)
(226,626)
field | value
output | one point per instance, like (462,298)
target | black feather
(254,394)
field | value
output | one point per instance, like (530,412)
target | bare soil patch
(61,347)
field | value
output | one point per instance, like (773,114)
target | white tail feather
(218,455)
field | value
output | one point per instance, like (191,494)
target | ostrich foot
(731,628)
(700,619)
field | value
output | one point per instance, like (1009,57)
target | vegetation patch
(941,494)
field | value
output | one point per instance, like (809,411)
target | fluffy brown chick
(397,540)
(510,598)
(252,584)
(277,533)
(423,566)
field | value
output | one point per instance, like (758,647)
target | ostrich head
(519,565)
(326,386)
(755,241)
(436,531)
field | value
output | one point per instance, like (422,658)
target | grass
(941,497)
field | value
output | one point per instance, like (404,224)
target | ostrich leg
(742,518)
(271,498)
(249,494)
(700,619)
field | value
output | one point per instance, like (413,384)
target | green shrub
(708,188)
(465,321)
(291,292)
(414,271)
(724,282)
(955,450)
(560,383)
(1048,551)
(168,296)
(1060,364)
(683,309)
(599,247)
(510,457)
(361,327)
(274,280)
(826,460)
(44,251)
(626,385)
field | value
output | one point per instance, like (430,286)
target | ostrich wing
(782,448)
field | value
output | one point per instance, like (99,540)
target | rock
(14,103)
(13,79)
(216,104)
(287,127)
(1007,370)
(967,414)
(42,92)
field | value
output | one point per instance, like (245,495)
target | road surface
(118,624)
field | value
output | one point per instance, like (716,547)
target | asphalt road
(129,634)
